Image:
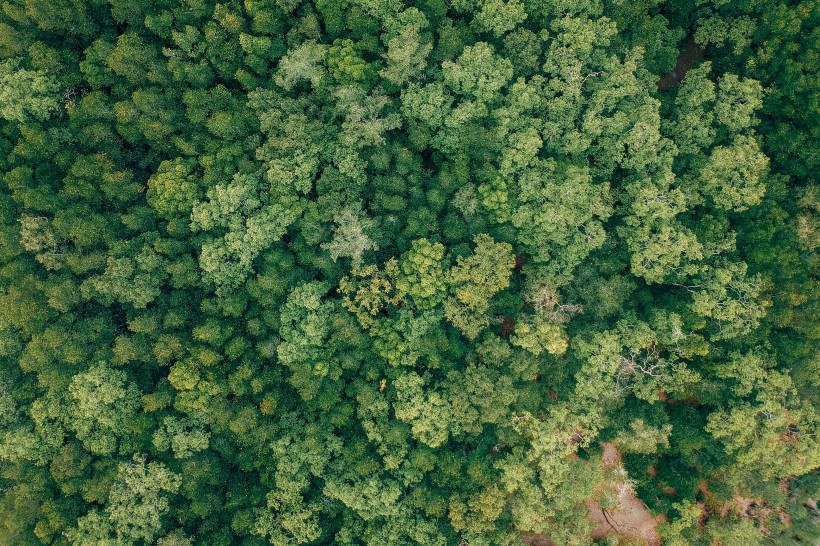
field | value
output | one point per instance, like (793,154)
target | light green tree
(734,175)
(407,50)
(250,222)
(27,94)
(304,63)
(184,436)
(476,279)
(499,17)
(351,234)
(173,190)
(103,401)
(421,274)
(426,410)
(139,499)
(478,72)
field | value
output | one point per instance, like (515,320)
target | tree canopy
(375,272)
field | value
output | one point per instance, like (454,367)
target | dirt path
(631,518)
(538,540)
(686,60)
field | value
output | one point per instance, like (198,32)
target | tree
(371,293)
(499,17)
(27,94)
(37,236)
(303,63)
(173,190)
(643,438)
(136,504)
(292,511)
(345,65)
(184,436)
(306,323)
(407,50)
(478,73)
(137,281)
(421,274)
(539,334)
(733,175)
(738,102)
(474,280)
(560,207)
(427,412)
(369,498)
(350,238)
(693,122)
(731,299)
(766,428)
(103,403)
(251,224)
(364,124)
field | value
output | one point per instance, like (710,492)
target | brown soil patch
(690,54)
(507,326)
(577,437)
(611,456)
(537,540)
(631,518)
(689,400)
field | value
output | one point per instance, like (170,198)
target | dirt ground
(538,540)
(690,54)
(630,520)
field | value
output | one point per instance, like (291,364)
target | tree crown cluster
(368,272)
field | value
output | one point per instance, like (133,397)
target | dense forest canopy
(443,272)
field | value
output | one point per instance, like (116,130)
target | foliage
(373,272)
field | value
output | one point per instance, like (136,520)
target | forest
(396,273)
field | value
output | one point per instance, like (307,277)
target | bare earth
(631,519)
(686,60)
